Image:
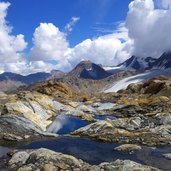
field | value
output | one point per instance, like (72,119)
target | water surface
(65,124)
(4,150)
(95,152)
(103,117)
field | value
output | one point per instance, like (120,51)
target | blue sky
(26,15)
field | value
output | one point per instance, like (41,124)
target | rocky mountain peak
(89,70)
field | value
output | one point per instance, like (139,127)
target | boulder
(131,148)
(35,107)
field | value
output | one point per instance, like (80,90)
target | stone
(19,158)
(25,168)
(131,148)
(128,123)
(81,114)
(49,167)
(85,109)
(128,165)
(73,104)
(11,137)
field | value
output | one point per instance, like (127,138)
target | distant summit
(89,70)
(138,63)
(29,79)
(57,73)
(163,62)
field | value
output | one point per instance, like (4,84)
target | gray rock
(128,148)
(19,158)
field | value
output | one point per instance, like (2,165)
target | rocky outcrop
(107,131)
(35,107)
(47,160)
(160,86)
(57,89)
(27,115)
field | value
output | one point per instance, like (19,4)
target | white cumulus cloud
(10,46)
(49,43)
(107,50)
(149,28)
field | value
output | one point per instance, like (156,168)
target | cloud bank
(145,32)
(149,28)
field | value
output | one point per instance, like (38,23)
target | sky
(41,35)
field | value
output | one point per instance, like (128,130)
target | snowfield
(122,84)
(114,69)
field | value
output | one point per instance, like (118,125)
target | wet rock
(131,148)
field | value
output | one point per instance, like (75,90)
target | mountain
(57,74)
(163,62)
(148,63)
(138,63)
(29,79)
(89,70)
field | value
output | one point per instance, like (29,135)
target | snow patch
(122,84)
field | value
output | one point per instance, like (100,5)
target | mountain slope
(137,63)
(164,61)
(88,70)
(29,79)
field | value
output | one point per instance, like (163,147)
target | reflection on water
(64,124)
(3,151)
(104,117)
